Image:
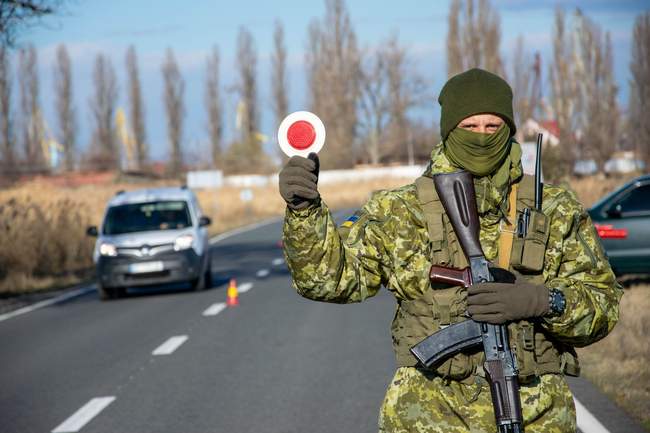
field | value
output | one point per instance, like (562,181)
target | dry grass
(42,225)
(43,222)
(590,189)
(618,364)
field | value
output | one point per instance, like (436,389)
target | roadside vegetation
(618,364)
(43,223)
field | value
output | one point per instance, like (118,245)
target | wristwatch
(556,302)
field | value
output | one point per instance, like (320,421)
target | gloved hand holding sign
(301,135)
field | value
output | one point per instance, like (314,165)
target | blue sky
(88,27)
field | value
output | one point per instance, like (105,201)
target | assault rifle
(456,192)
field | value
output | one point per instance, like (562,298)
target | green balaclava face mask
(480,154)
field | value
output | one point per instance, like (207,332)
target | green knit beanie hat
(473,92)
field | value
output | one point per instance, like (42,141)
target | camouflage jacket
(387,244)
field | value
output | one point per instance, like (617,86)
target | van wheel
(208,275)
(205,280)
(199,283)
(105,293)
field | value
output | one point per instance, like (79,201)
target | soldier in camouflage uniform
(570,301)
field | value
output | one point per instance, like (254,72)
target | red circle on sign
(301,135)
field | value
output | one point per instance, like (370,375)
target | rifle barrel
(539,186)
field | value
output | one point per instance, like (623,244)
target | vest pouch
(413,321)
(570,362)
(528,252)
(450,304)
(522,342)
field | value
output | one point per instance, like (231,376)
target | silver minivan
(150,237)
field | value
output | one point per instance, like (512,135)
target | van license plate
(146,267)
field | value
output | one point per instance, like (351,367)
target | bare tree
(213,106)
(640,88)
(526,84)
(173,98)
(64,106)
(333,71)
(279,76)
(30,109)
(247,87)
(599,117)
(106,153)
(246,153)
(374,104)
(6,132)
(564,97)
(407,90)
(473,39)
(583,90)
(15,14)
(455,64)
(389,89)
(136,108)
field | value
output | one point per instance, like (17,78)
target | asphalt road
(275,363)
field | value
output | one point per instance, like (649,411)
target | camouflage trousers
(417,402)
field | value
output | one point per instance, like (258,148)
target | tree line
(366,97)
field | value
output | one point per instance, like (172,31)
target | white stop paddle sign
(301,133)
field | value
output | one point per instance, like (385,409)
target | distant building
(549,128)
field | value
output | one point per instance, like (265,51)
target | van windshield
(143,217)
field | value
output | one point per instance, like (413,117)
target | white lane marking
(83,416)
(277,262)
(245,287)
(586,421)
(46,303)
(244,229)
(169,346)
(214,309)
(263,273)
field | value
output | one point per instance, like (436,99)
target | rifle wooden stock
(454,189)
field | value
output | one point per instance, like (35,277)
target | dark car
(622,219)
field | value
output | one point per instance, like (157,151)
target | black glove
(298,181)
(499,303)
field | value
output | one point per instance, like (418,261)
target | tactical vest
(536,353)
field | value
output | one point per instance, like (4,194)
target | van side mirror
(92,231)
(204,221)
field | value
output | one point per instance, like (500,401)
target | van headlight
(183,242)
(106,249)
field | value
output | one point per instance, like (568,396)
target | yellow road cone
(232,295)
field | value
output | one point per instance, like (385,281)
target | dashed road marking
(277,262)
(169,346)
(214,309)
(262,273)
(83,416)
(46,303)
(586,421)
(245,287)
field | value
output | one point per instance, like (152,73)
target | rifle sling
(507,228)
